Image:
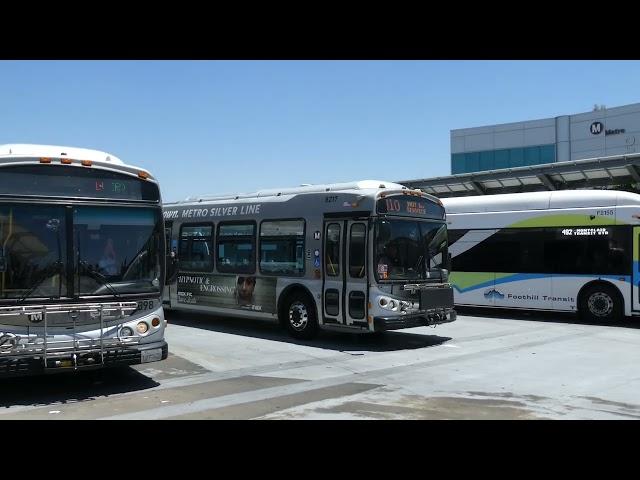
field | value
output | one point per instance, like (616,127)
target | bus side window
(282,247)
(196,248)
(236,247)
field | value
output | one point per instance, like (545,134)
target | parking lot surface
(485,365)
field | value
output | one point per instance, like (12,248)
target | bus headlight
(126,332)
(389,303)
(445,275)
(142,327)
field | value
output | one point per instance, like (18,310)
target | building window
(472,162)
(516,157)
(487,160)
(532,156)
(457,163)
(503,158)
(547,153)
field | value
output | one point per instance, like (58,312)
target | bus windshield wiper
(53,269)
(97,276)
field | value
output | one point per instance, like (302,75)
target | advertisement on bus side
(242,292)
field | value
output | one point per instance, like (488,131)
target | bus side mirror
(448,265)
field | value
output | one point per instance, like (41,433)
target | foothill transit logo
(493,293)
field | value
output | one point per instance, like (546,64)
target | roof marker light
(143,175)
(66,161)
(45,160)
(86,163)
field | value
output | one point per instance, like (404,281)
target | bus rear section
(81,261)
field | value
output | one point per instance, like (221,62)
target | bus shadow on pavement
(72,387)
(330,340)
(540,316)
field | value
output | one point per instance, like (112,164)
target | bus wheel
(600,303)
(300,317)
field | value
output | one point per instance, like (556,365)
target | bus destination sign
(584,231)
(74,182)
(410,206)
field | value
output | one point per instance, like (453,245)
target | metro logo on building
(596,128)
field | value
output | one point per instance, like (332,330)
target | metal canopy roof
(588,173)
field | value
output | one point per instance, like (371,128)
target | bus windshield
(408,249)
(32,251)
(117,250)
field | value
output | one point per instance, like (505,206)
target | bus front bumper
(21,365)
(413,320)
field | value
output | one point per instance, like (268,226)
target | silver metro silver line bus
(81,261)
(363,257)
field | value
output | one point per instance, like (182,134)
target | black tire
(299,316)
(600,303)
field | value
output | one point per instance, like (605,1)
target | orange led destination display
(411,206)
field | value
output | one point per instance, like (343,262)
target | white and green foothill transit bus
(572,250)
(81,261)
(363,257)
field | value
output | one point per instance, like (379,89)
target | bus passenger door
(333,272)
(635,280)
(355,288)
(170,264)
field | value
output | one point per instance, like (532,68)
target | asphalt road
(486,365)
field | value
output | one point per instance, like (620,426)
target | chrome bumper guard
(33,350)
(422,319)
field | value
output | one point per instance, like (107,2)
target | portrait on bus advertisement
(244,292)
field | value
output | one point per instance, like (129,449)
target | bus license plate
(436,298)
(151,355)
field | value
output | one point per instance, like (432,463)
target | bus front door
(171,264)
(345,275)
(635,293)
(355,287)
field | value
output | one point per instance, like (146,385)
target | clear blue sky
(237,126)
